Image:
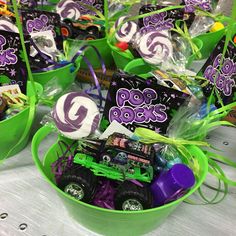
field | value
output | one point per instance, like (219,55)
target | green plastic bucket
(121,58)
(138,67)
(209,41)
(111,222)
(103,49)
(12,129)
(65,75)
(126,61)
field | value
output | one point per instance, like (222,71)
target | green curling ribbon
(185,34)
(133,18)
(150,137)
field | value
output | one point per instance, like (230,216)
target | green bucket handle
(37,139)
(33,98)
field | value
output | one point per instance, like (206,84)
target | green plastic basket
(138,67)
(65,75)
(210,40)
(12,129)
(121,58)
(104,221)
(103,49)
(125,59)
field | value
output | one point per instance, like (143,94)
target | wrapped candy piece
(155,47)
(76,115)
(73,9)
(126,31)
(68,9)
(7,25)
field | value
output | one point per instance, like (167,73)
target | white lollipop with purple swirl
(155,47)
(76,115)
(7,25)
(68,9)
(127,30)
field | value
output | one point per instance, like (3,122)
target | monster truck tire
(80,183)
(66,30)
(132,197)
(93,32)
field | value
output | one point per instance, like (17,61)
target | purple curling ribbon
(63,162)
(73,61)
(97,52)
(98,87)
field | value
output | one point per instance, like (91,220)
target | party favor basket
(15,131)
(104,221)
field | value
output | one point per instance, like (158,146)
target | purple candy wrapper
(224,78)
(203,4)
(12,62)
(37,21)
(135,102)
(162,21)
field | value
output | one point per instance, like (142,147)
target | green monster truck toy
(128,162)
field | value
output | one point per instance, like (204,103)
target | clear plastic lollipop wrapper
(154,47)
(181,52)
(201,25)
(75,115)
(125,29)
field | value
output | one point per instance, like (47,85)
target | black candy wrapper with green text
(135,102)
(12,61)
(222,78)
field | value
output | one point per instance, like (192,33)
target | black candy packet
(222,78)
(135,102)
(98,4)
(37,21)
(12,61)
(164,20)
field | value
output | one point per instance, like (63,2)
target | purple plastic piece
(172,184)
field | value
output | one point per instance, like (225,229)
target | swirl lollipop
(68,9)
(8,26)
(76,115)
(155,47)
(127,30)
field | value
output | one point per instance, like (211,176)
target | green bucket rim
(127,53)
(55,70)
(45,130)
(90,41)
